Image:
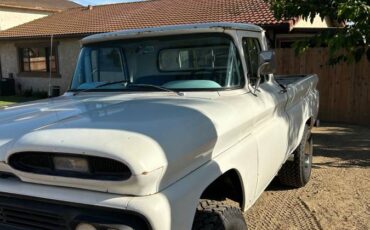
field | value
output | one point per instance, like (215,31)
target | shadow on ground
(347,146)
(337,196)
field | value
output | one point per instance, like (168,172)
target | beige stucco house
(18,12)
(25,49)
(11,17)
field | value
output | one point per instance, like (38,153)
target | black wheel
(297,171)
(218,215)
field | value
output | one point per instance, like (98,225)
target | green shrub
(39,94)
(27,93)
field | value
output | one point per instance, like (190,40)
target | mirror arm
(259,76)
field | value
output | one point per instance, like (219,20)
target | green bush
(39,94)
(27,93)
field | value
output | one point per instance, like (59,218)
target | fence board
(344,88)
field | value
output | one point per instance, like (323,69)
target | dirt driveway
(338,195)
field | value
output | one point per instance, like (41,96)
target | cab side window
(252,48)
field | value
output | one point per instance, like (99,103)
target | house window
(38,60)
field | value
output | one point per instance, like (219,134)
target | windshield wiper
(129,85)
(99,86)
(154,87)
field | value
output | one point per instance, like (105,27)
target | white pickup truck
(178,127)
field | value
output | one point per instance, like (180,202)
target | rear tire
(297,172)
(218,215)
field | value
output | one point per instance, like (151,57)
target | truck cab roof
(170,30)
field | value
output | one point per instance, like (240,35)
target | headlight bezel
(99,168)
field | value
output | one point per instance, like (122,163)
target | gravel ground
(338,195)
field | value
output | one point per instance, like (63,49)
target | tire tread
(214,215)
(290,174)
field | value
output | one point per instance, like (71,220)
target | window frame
(43,45)
(243,80)
(264,78)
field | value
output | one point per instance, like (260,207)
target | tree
(353,38)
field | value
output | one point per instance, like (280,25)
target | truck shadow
(343,146)
(275,185)
(338,146)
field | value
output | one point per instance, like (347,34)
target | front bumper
(26,213)
(172,208)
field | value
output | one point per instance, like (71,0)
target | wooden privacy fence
(344,88)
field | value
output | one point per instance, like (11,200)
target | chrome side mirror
(266,65)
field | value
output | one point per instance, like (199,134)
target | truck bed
(286,80)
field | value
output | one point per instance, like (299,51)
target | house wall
(316,23)
(68,50)
(13,17)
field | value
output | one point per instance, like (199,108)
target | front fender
(176,205)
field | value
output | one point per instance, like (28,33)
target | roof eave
(37,37)
(31,8)
(283,26)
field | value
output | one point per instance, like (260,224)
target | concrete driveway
(338,195)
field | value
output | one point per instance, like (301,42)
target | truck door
(271,123)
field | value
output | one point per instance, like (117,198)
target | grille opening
(42,163)
(30,219)
(32,162)
(106,166)
(32,213)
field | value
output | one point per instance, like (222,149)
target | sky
(99,2)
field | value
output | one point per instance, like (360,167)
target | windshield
(187,62)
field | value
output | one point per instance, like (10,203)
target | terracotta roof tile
(107,18)
(43,5)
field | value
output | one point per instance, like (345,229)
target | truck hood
(160,138)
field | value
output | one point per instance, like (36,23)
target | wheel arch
(310,121)
(229,185)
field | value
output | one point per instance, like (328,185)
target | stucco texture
(68,50)
(13,17)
